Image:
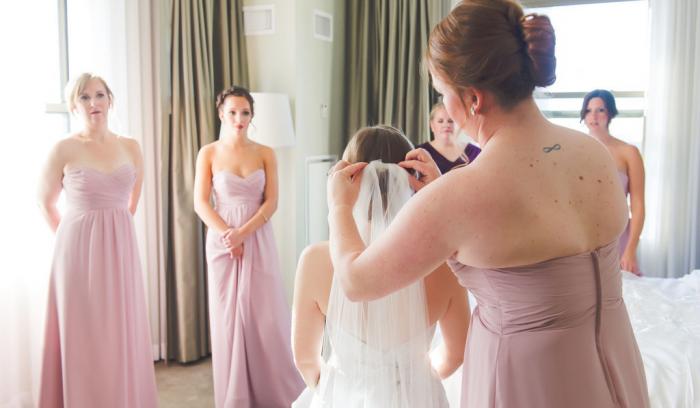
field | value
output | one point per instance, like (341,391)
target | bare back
(529,198)
(441,286)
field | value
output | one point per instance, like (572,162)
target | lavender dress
(445,165)
(552,334)
(250,319)
(97,346)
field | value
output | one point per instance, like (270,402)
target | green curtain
(207,54)
(386,41)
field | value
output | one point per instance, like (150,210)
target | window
(30,78)
(599,46)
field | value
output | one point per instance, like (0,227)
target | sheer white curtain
(117,39)
(29,78)
(671,239)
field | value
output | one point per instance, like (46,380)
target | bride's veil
(382,345)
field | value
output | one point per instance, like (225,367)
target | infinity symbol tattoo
(550,149)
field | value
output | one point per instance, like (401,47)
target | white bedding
(665,316)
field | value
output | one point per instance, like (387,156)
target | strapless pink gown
(250,320)
(97,350)
(551,335)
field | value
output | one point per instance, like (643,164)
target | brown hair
(608,100)
(492,45)
(77,85)
(385,143)
(235,91)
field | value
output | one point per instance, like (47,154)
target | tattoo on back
(552,148)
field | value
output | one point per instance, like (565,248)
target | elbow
(272,207)
(299,362)
(44,206)
(356,291)
(451,363)
(198,208)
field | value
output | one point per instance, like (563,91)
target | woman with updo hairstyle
(531,228)
(248,313)
(597,111)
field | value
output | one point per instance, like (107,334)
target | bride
(377,354)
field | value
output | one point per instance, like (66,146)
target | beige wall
(292,61)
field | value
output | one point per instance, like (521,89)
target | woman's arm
(202,192)
(311,283)
(137,159)
(453,326)
(51,184)
(635,171)
(428,230)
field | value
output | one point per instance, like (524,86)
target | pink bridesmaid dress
(551,335)
(250,319)
(97,350)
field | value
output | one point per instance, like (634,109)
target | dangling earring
(472,110)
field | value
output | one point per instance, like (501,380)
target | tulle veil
(378,350)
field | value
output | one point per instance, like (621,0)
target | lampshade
(272,123)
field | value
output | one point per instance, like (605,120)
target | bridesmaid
(97,350)
(446,149)
(250,320)
(532,230)
(597,112)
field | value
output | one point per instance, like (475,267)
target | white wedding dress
(378,351)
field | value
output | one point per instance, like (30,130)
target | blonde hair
(77,85)
(437,106)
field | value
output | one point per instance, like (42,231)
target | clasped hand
(233,241)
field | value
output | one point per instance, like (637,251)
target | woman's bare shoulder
(265,152)
(209,150)
(66,148)
(315,262)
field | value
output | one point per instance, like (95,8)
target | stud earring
(472,110)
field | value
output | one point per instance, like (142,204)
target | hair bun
(538,35)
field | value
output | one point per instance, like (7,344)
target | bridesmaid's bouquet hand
(231,238)
(344,183)
(236,252)
(423,164)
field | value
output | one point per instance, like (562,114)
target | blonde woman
(446,149)
(97,350)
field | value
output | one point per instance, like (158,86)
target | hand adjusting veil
(378,353)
